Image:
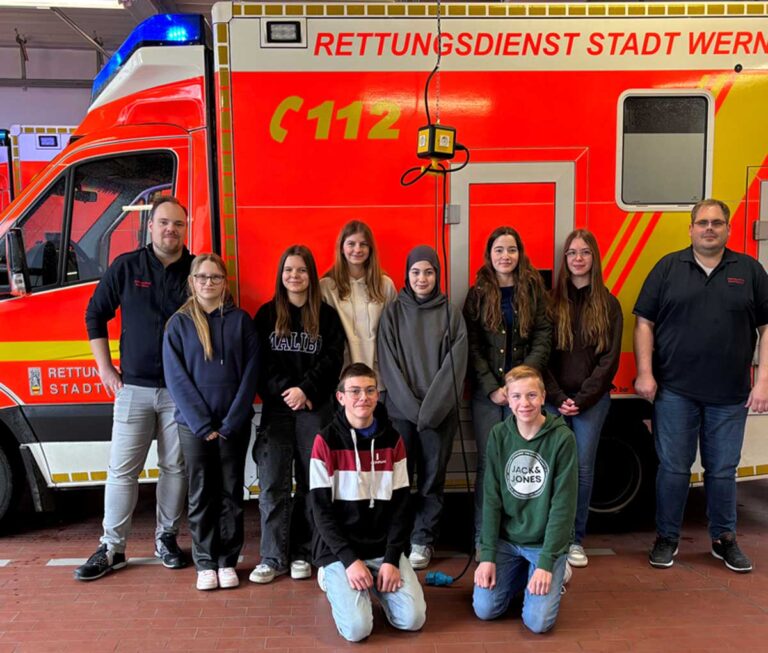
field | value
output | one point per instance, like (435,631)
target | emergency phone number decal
(326,117)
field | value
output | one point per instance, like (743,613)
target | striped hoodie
(359,493)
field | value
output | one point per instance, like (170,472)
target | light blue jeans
(514,567)
(141,415)
(352,610)
(587,427)
(679,424)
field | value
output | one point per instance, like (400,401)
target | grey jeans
(141,415)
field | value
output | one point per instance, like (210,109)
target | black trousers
(282,453)
(428,454)
(215,470)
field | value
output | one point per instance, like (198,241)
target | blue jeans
(485,415)
(352,610)
(514,567)
(587,427)
(141,415)
(679,424)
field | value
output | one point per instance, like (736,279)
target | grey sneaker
(421,556)
(576,556)
(100,563)
(728,551)
(263,573)
(663,553)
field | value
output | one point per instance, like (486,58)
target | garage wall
(45,106)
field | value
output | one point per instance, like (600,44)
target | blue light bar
(162,29)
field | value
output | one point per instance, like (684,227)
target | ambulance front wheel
(9,489)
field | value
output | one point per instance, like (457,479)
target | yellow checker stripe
(246,7)
(85,477)
(51,350)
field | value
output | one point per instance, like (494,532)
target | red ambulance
(286,120)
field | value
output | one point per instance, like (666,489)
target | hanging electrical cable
(437,143)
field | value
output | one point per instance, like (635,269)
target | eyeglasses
(573,253)
(213,279)
(370,391)
(715,224)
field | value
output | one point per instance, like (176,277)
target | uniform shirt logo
(142,284)
(526,474)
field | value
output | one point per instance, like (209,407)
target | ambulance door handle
(760,230)
(453,214)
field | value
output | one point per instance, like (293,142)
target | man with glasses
(359,490)
(698,315)
(148,286)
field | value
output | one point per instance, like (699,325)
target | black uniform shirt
(147,294)
(705,326)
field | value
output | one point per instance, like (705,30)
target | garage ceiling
(43,28)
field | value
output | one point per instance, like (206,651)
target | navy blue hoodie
(215,395)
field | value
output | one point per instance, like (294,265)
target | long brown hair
(374,275)
(310,312)
(529,287)
(192,308)
(595,323)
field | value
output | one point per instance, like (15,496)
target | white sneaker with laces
(421,556)
(577,556)
(207,580)
(228,578)
(300,569)
(262,574)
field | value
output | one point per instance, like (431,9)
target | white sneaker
(228,578)
(321,578)
(576,556)
(421,556)
(207,580)
(263,573)
(300,569)
(568,573)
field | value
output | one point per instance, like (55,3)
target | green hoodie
(530,489)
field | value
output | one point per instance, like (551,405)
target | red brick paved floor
(618,603)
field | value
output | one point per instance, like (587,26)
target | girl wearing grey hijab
(422,351)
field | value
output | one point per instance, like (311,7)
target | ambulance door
(754,453)
(84,217)
(536,199)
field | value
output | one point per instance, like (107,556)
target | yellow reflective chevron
(50,350)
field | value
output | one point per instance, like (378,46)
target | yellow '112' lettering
(324,116)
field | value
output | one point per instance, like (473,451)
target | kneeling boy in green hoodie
(529,505)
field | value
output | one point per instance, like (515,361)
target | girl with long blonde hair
(210,358)
(359,290)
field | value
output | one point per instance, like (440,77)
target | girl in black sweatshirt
(302,344)
(585,356)
(210,359)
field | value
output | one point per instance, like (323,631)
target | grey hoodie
(414,357)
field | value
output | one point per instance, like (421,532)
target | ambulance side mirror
(16,262)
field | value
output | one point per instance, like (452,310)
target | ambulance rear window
(664,141)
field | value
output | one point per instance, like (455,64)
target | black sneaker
(100,563)
(169,552)
(663,553)
(728,551)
